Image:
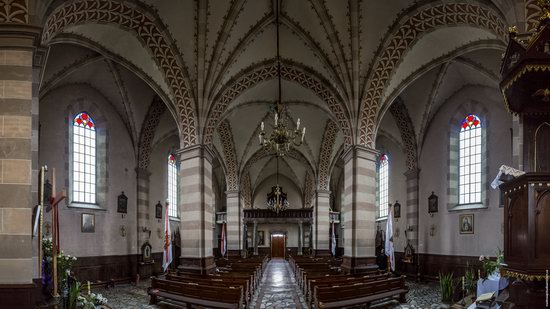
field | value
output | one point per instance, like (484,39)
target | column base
(200,266)
(19,295)
(358,265)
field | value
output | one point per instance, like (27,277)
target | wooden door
(278,246)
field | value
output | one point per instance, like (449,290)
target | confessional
(525,85)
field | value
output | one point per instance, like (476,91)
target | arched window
(172,186)
(383,186)
(469,157)
(84,159)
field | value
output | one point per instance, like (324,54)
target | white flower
(481,258)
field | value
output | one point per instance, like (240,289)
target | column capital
(412,174)
(194,151)
(360,151)
(232,193)
(21,36)
(142,173)
(323,193)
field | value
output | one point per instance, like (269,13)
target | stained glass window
(84,159)
(172,186)
(383,186)
(469,182)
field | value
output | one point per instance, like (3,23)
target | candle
(298,124)
(88,287)
(276,118)
(463,289)
(260,137)
(479,274)
(262,126)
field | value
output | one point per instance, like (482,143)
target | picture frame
(397,210)
(87,223)
(466,224)
(432,203)
(122,203)
(158,210)
(261,238)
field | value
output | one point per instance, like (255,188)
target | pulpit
(525,85)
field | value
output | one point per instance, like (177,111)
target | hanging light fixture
(277,199)
(281,138)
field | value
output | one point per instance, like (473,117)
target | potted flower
(492,267)
(447,288)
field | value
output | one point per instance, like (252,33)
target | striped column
(234,226)
(359,208)
(195,204)
(321,225)
(16,116)
(143,211)
(412,207)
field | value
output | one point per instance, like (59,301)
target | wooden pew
(182,293)
(361,294)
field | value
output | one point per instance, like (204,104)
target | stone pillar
(300,237)
(18,150)
(321,225)
(143,210)
(234,227)
(255,238)
(359,209)
(412,207)
(196,208)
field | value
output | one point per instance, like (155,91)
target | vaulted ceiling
(212,63)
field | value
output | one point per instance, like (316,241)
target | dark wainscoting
(18,296)
(432,264)
(113,267)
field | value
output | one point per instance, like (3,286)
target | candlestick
(298,124)
(88,287)
(479,274)
(276,118)
(262,126)
(463,284)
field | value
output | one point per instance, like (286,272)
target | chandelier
(277,199)
(282,137)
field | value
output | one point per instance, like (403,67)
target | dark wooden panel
(517,226)
(17,296)
(105,268)
(432,264)
(542,228)
(542,147)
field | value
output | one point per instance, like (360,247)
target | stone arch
(325,154)
(290,71)
(226,137)
(148,30)
(401,116)
(152,119)
(406,34)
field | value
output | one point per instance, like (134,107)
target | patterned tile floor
(277,289)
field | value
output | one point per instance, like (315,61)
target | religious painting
(432,203)
(88,223)
(397,210)
(261,238)
(146,252)
(122,203)
(158,210)
(466,224)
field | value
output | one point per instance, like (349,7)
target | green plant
(64,264)
(447,285)
(490,266)
(74,292)
(470,281)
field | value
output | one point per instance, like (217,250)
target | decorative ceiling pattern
(14,11)
(403,121)
(246,191)
(156,109)
(309,190)
(326,154)
(231,168)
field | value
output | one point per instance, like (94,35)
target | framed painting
(88,223)
(466,224)
(158,210)
(432,203)
(122,203)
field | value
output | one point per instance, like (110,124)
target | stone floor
(277,289)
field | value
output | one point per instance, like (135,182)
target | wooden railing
(334,216)
(304,213)
(221,217)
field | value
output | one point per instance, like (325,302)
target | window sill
(381,219)
(475,206)
(77,205)
(175,219)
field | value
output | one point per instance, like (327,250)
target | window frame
(172,171)
(470,124)
(72,172)
(383,163)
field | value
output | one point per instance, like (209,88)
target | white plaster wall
(107,239)
(158,189)
(433,177)
(397,189)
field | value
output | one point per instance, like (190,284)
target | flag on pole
(167,252)
(389,240)
(333,245)
(224,241)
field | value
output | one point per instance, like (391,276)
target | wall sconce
(145,229)
(432,204)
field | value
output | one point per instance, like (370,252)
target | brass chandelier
(277,199)
(281,138)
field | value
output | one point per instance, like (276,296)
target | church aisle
(278,288)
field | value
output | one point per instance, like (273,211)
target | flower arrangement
(90,301)
(491,266)
(64,264)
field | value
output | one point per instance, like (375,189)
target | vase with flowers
(492,266)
